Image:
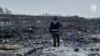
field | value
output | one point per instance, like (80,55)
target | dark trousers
(56,39)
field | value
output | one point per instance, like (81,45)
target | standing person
(54,30)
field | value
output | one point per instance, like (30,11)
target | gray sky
(59,7)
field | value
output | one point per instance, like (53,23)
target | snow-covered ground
(66,51)
(69,50)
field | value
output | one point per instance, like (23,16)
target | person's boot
(58,45)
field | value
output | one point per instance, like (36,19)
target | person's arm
(61,29)
(50,28)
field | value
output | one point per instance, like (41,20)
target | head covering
(55,20)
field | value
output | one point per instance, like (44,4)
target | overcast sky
(59,7)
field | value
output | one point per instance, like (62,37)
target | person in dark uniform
(54,30)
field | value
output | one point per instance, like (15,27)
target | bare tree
(1,10)
(5,11)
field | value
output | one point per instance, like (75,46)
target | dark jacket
(54,26)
